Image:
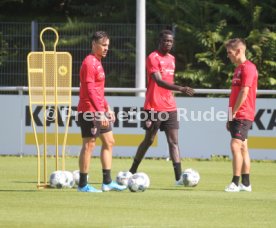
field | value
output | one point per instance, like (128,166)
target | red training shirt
(92,79)
(159,98)
(245,75)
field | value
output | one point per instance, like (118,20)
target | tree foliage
(204,26)
(3,49)
(201,28)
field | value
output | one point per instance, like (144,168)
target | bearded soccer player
(160,105)
(241,113)
(95,116)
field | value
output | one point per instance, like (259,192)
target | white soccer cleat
(245,188)
(179,182)
(232,188)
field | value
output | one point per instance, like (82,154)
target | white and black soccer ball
(190,177)
(70,182)
(58,179)
(146,178)
(139,182)
(123,177)
(76,176)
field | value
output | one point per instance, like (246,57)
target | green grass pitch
(162,205)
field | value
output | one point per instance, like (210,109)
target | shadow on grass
(171,189)
(186,189)
(24,182)
(16,190)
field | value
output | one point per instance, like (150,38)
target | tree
(204,26)
(201,28)
(3,49)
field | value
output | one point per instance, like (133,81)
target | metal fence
(18,39)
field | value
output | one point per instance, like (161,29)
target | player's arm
(89,80)
(94,100)
(90,83)
(248,72)
(92,96)
(157,77)
(240,99)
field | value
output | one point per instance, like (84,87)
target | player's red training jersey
(245,75)
(158,98)
(92,79)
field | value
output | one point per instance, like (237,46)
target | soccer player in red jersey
(242,103)
(160,105)
(95,116)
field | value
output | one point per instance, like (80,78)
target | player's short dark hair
(165,32)
(233,43)
(99,35)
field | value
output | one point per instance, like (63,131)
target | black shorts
(91,127)
(239,128)
(160,120)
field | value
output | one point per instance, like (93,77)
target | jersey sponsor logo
(170,71)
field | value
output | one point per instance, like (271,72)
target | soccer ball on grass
(139,182)
(190,177)
(70,182)
(58,179)
(61,179)
(123,177)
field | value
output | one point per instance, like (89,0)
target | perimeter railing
(21,89)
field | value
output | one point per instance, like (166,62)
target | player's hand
(104,122)
(227,125)
(187,90)
(111,116)
(103,119)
